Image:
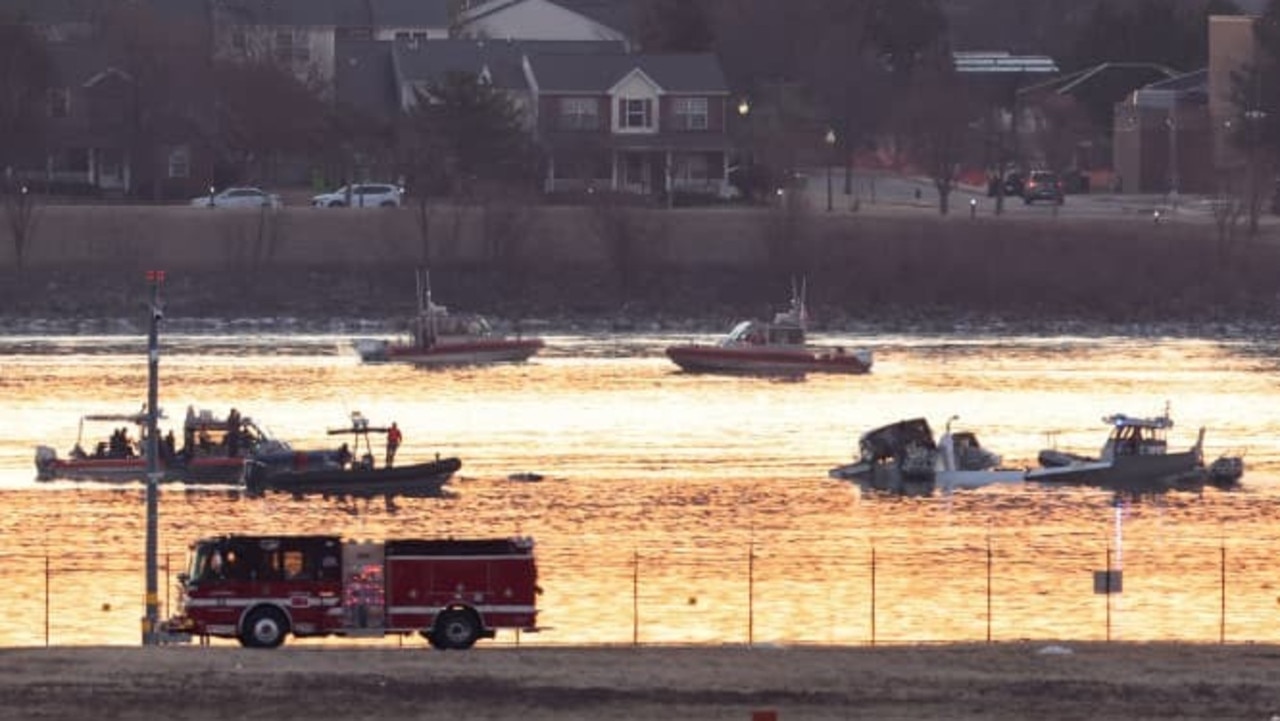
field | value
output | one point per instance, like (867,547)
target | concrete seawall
(583,260)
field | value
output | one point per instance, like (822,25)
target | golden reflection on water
(681,508)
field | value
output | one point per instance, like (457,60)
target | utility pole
(151,623)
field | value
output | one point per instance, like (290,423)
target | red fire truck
(259,589)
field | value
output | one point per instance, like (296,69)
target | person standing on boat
(393,443)
(233,433)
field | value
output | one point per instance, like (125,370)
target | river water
(690,509)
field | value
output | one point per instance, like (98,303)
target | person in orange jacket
(393,442)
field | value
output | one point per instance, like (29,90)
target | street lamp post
(831,144)
(1172,123)
(1254,117)
(746,171)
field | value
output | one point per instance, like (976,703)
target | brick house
(648,124)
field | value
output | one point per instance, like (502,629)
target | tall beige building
(1232,47)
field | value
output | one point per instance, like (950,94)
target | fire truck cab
(260,589)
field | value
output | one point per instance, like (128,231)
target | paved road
(887,192)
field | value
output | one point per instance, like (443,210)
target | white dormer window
(690,113)
(635,112)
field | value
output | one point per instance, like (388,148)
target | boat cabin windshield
(744,332)
(1136,437)
(753,332)
(439,323)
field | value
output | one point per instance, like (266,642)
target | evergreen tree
(463,131)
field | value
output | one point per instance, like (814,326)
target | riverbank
(995,682)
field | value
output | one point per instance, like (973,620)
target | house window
(292,47)
(635,112)
(579,114)
(180,162)
(690,113)
(239,41)
(59,102)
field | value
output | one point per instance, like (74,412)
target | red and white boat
(757,347)
(439,338)
(213,450)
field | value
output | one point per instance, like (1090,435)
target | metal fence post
(873,595)
(751,595)
(1108,567)
(635,598)
(988,589)
(1222,596)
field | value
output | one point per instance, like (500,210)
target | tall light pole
(746,164)
(831,144)
(1172,123)
(151,623)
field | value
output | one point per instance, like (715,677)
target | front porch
(647,171)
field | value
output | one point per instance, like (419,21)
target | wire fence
(767,593)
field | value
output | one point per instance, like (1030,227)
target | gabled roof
(431,60)
(674,73)
(1192,87)
(78,64)
(296,13)
(410,13)
(613,14)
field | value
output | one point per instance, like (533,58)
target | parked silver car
(362,195)
(244,197)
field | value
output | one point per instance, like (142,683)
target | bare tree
(462,140)
(20,215)
(1228,209)
(937,114)
(786,228)
(267,113)
(619,230)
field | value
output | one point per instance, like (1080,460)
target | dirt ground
(993,682)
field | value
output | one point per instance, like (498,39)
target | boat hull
(213,471)
(1131,474)
(420,479)
(768,361)
(889,478)
(498,350)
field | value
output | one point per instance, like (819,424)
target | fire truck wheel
(455,629)
(264,628)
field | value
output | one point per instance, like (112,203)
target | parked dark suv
(1042,185)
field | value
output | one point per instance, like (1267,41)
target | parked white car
(362,195)
(239,198)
